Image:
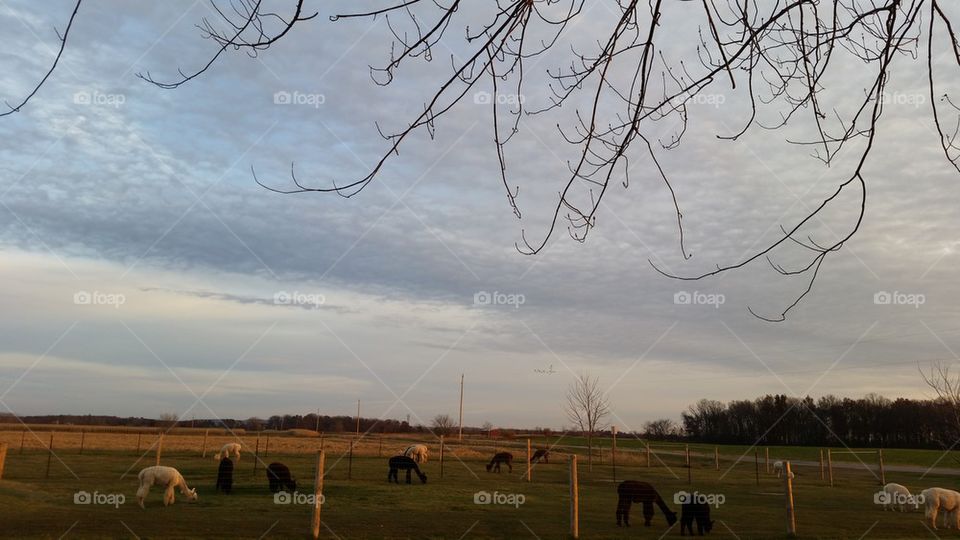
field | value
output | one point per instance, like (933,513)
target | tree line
(870,421)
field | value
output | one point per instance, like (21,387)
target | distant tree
(587,407)
(169,420)
(946,386)
(442,424)
(487,428)
(661,429)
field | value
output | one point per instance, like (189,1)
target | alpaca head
(671,518)
(423,478)
(192,495)
(708,526)
(489,466)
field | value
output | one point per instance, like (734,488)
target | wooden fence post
(3,458)
(138,441)
(883,475)
(318,493)
(159,448)
(756,463)
(350,460)
(49,455)
(574,498)
(441,456)
(821,464)
(203,448)
(689,466)
(613,453)
(256,455)
(648,454)
(830,465)
(380,448)
(788,492)
(266,446)
(83,438)
(766,459)
(529,461)
(716,457)
(23,437)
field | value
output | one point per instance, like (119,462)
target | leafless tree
(783,55)
(443,424)
(946,385)
(169,420)
(660,429)
(587,407)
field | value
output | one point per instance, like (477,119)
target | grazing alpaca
(498,458)
(169,478)
(541,454)
(225,476)
(699,512)
(404,463)
(631,491)
(280,479)
(937,500)
(229,448)
(897,497)
(418,452)
(778,469)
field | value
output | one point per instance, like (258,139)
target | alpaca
(498,458)
(225,476)
(778,468)
(169,478)
(699,512)
(418,452)
(229,448)
(280,479)
(631,491)
(404,463)
(542,454)
(939,500)
(897,496)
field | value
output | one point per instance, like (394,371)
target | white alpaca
(418,452)
(778,469)
(169,478)
(897,497)
(938,500)
(229,448)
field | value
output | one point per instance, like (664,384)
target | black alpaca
(699,512)
(632,491)
(498,458)
(225,476)
(404,463)
(280,479)
(541,455)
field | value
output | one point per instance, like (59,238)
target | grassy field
(366,506)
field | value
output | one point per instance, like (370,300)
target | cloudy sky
(143,271)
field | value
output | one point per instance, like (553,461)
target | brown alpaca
(501,457)
(630,492)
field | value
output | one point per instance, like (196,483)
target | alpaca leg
(647,512)
(623,511)
(932,516)
(408,475)
(168,496)
(142,493)
(510,466)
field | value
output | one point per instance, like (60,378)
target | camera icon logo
(282,98)
(82,298)
(482,497)
(882,298)
(282,297)
(682,497)
(282,497)
(682,298)
(882,497)
(82,98)
(483,98)
(82,497)
(482,298)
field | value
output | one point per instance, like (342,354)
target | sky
(143,271)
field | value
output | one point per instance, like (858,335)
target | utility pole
(460,436)
(318,421)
